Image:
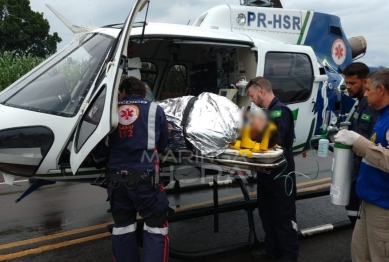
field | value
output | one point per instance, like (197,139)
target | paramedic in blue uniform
(370,241)
(363,123)
(276,201)
(133,153)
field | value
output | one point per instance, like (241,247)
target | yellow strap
(246,152)
(236,146)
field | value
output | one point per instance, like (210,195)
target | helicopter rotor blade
(74,28)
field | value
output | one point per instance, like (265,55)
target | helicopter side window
(62,88)
(291,75)
(176,82)
(149,73)
(91,120)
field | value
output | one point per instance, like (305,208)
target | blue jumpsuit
(142,133)
(277,209)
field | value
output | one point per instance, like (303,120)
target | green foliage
(13,66)
(24,31)
(149,73)
(176,82)
(72,72)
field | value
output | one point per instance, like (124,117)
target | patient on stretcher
(257,135)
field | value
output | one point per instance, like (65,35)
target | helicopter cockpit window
(176,82)
(62,88)
(291,76)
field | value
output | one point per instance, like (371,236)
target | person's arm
(164,136)
(377,155)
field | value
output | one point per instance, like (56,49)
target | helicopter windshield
(62,87)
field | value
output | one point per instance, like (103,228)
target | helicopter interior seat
(50,94)
(86,74)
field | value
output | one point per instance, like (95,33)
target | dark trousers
(354,204)
(152,205)
(277,211)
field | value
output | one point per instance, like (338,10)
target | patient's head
(257,122)
(257,119)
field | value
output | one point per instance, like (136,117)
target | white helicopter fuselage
(56,122)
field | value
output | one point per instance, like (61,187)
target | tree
(24,31)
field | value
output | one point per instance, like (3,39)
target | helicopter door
(100,117)
(295,77)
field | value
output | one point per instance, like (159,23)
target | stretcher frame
(230,162)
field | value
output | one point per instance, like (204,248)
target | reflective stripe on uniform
(368,163)
(151,126)
(124,230)
(156,230)
(352,213)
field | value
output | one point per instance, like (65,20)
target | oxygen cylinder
(341,174)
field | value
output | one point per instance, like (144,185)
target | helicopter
(55,115)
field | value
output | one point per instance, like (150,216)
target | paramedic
(370,241)
(276,199)
(133,153)
(363,123)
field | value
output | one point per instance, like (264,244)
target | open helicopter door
(100,117)
(295,76)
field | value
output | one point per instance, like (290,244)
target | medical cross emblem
(128,114)
(339,51)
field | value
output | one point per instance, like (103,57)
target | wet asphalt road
(67,222)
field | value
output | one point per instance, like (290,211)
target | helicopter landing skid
(36,185)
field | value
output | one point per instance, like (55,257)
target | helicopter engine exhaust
(258,3)
(358,46)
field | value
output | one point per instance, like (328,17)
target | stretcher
(238,163)
(229,159)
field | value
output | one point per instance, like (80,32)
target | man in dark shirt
(276,199)
(364,119)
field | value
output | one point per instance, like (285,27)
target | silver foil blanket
(211,126)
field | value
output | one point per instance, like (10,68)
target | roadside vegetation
(14,66)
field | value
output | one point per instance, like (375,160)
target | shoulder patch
(275,113)
(366,117)
(373,137)
(128,114)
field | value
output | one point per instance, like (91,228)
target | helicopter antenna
(188,22)
(145,22)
